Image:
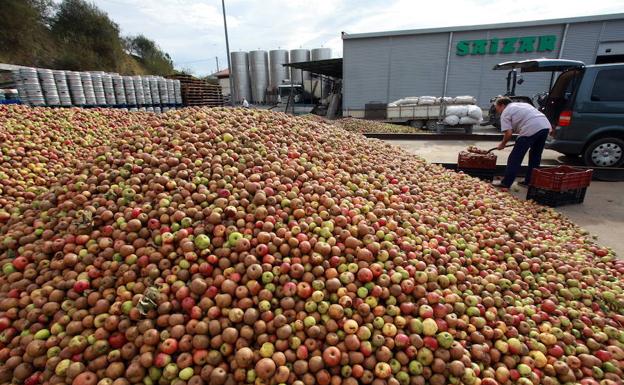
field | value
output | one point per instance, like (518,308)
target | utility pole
(227,48)
(217,59)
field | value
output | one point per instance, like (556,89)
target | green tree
(150,55)
(89,38)
(24,34)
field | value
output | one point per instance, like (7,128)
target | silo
(321,53)
(278,73)
(322,88)
(259,71)
(297,56)
(240,76)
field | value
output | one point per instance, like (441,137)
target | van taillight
(565,118)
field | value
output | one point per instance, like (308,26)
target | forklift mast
(512,77)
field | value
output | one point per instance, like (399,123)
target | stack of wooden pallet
(198,92)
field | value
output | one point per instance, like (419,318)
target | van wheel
(605,152)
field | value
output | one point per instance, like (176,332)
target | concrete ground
(602,212)
(446,151)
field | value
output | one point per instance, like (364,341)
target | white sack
(465,99)
(451,120)
(475,112)
(468,120)
(427,100)
(460,111)
(407,100)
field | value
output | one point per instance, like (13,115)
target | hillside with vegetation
(74,35)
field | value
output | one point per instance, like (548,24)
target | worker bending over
(532,127)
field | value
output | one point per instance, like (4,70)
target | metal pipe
(448,63)
(227,48)
(563,40)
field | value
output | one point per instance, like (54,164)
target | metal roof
(581,19)
(327,67)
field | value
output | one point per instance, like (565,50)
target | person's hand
(500,146)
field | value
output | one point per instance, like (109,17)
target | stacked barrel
(56,88)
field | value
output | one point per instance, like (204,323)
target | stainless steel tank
(259,71)
(240,76)
(322,87)
(297,56)
(321,54)
(278,73)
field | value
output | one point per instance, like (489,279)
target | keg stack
(162,92)
(120,91)
(98,88)
(138,91)
(171,93)
(178,92)
(74,80)
(62,88)
(130,94)
(32,86)
(155,93)
(48,86)
(87,86)
(109,89)
(19,83)
(147,93)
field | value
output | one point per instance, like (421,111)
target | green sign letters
(495,46)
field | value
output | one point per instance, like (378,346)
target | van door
(599,103)
(561,98)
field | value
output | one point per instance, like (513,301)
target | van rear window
(609,86)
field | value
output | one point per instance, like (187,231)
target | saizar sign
(526,44)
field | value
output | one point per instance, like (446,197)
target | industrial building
(381,67)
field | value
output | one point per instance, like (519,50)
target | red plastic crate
(561,178)
(471,160)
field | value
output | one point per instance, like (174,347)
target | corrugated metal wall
(473,74)
(416,63)
(366,70)
(613,31)
(387,68)
(582,42)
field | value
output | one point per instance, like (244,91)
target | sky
(191,31)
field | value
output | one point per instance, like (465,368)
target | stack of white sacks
(459,109)
(463,114)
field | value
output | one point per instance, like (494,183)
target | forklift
(513,79)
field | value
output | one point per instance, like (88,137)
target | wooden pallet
(197,92)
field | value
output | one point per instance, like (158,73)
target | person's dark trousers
(535,145)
